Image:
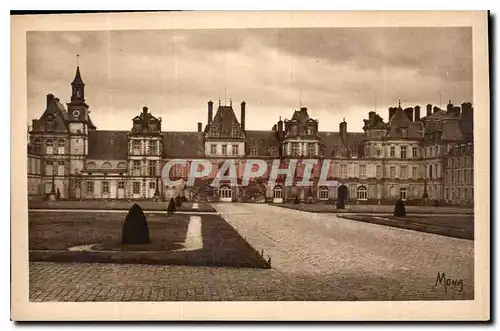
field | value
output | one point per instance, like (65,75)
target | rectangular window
(213,149)
(121,184)
(274,151)
(152,185)
(224,149)
(402,193)
(60,168)
(214,132)
(137,188)
(152,147)
(362,171)
(90,187)
(235,150)
(49,168)
(253,151)
(403,152)
(136,168)
(295,149)
(379,152)
(379,171)
(235,132)
(392,172)
(414,152)
(105,187)
(311,149)
(403,172)
(414,172)
(136,145)
(152,168)
(392,151)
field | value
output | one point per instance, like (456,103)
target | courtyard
(315,256)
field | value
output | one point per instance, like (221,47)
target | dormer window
(253,151)
(293,129)
(49,125)
(137,126)
(404,133)
(273,151)
(309,131)
(213,131)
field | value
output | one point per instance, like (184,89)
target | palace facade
(428,158)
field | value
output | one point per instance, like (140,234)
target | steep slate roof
(263,139)
(183,144)
(57,110)
(300,115)
(108,145)
(225,116)
(78,78)
(332,140)
(400,121)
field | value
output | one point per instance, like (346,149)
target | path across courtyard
(314,257)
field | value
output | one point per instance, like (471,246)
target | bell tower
(78,87)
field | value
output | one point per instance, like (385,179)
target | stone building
(405,157)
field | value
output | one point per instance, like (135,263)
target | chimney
(243,104)
(50,97)
(435,109)
(199,126)
(429,110)
(409,113)
(343,130)
(144,109)
(275,127)
(33,123)
(303,109)
(392,110)
(280,128)
(417,113)
(467,117)
(210,111)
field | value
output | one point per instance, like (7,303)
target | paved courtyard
(314,257)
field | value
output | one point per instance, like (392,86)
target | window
(392,151)
(362,193)
(224,149)
(379,152)
(136,145)
(106,165)
(90,187)
(343,171)
(295,149)
(253,151)
(136,188)
(152,168)
(414,172)
(213,149)
(392,172)
(404,133)
(311,149)
(436,150)
(179,170)
(293,129)
(460,176)
(274,151)
(235,150)
(362,171)
(403,172)
(323,193)
(60,146)
(225,192)
(60,168)
(121,184)
(430,171)
(414,152)
(136,168)
(49,125)
(403,152)
(152,147)
(379,171)
(37,145)
(322,151)
(105,187)
(152,185)
(214,131)
(402,193)
(235,132)
(49,148)
(309,131)
(49,168)
(278,192)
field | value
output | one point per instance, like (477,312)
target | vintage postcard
(251,166)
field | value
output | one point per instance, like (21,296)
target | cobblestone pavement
(314,257)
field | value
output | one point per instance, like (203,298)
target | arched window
(37,145)
(323,193)
(60,146)
(106,165)
(91,165)
(122,165)
(278,192)
(225,192)
(49,147)
(362,193)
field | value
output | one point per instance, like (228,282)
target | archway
(342,196)
(278,194)
(225,194)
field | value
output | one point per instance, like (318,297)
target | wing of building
(410,157)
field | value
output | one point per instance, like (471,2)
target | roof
(332,140)
(301,115)
(263,139)
(108,145)
(225,117)
(57,112)
(401,121)
(183,144)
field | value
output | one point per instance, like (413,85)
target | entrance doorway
(225,194)
(278,194)
(342,196)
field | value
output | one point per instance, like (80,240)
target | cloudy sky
(336,72)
